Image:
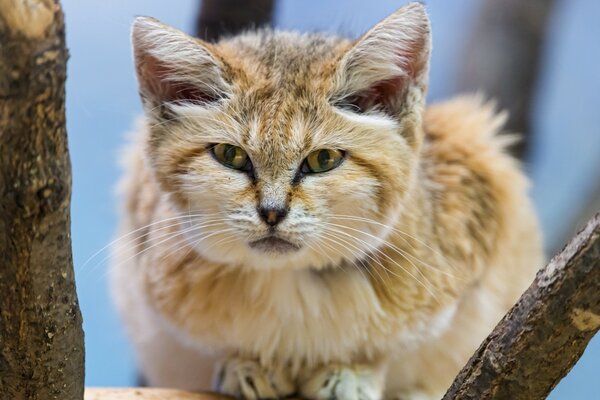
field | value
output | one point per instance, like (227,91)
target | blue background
(102,104)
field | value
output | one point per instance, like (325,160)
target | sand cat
(297,222)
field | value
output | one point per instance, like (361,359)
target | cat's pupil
(324,158)
(230,153)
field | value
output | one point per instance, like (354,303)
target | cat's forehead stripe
(278,127)
(282,57)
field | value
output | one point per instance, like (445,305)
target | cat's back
(484,220)
(467,162)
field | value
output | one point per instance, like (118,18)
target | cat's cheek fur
(212,195)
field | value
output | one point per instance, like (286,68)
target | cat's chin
(274,245)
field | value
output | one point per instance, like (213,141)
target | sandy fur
(451,241)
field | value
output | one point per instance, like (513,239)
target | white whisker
(140,229)
(332,237)
(402,253)
(392,228)
(394,262)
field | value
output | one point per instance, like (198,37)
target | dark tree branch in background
(226,17)
(503,58)
(545,333)
(41,336)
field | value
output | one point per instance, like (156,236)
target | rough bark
(41,336)
(545,333)
(503,58)
(228,17)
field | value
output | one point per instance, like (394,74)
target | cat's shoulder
(479,189)
(468,121)
(467,131)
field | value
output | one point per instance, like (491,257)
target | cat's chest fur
(299,316)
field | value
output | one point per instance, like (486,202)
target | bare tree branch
(228,17)
(41,336)
(503,58)
(545,333)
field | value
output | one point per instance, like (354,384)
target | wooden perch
(545,333)
(147,394)
(41,337)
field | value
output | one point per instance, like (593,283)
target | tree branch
(149,394)
(228,17)
(41,337)
(503,57)
(545,333)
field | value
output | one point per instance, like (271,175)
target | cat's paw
(247,379)
(336,382)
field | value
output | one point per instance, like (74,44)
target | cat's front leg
(247,379)
(343,382)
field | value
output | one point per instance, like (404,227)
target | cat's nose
(272,215)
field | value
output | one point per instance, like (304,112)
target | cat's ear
(388,65)
(173,67)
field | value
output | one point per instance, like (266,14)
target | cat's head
(286,150)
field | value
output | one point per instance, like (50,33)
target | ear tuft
(173,67)
(386,61)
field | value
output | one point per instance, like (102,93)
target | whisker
(180,241)
(322,251)
(333,263)
(372,247)
(121,247)
(332,237)
(137,230)
(227,239)
(368,220)
(191,242)
(175,234)
(393,261)
(398,250)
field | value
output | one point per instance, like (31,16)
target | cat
(296,222)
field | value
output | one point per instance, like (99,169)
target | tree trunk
(41,336)
(503,58)
(545,333)
(228,17)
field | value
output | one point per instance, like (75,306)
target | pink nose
(272,216)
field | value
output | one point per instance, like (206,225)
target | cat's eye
(231,156)
(323,160)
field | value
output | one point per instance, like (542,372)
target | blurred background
(539,58)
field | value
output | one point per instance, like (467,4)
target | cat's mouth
(274,244)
